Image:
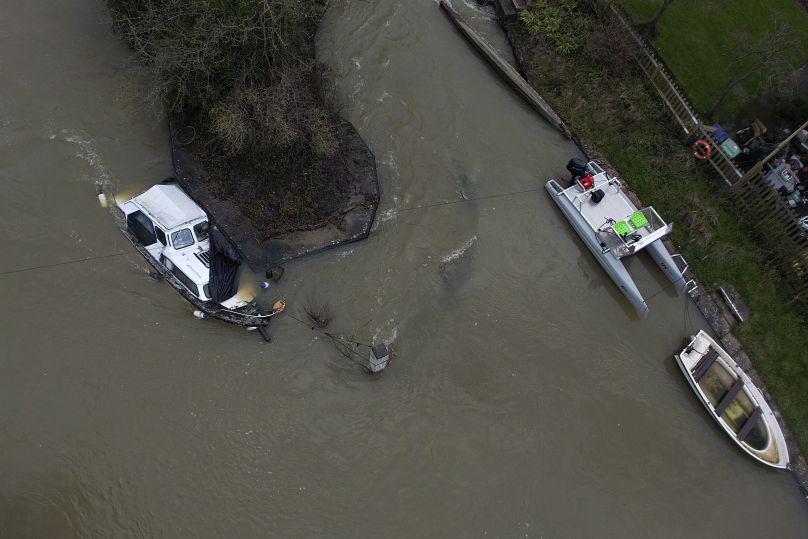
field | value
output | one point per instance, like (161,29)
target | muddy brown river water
(526,399)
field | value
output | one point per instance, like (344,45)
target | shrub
(560,21)
(244,68)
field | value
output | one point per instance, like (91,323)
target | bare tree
(245,69)
(766,58)
(650,26)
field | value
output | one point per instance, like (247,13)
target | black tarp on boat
(224,265)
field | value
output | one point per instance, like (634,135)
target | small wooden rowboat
(733,400)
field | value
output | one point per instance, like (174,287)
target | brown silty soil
(283,190)
(280,204)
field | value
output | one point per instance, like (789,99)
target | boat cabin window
(182,238)
(141,227)
(185,280)
(161,236)
(202,231)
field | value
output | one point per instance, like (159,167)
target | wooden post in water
(379,356)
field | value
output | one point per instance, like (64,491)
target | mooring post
(379,356)
(275,273)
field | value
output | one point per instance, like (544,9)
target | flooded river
(526,399)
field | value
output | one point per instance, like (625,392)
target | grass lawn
(628,124)
(697,40)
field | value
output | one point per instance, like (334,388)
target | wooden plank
(704,364)
(722,406)
(749,424)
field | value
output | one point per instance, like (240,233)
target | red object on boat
(587,182)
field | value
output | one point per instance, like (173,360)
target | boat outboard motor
(577,168)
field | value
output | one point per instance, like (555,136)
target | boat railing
(640,229)
(603,182)
(690,284)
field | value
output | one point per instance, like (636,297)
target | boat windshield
(182,238)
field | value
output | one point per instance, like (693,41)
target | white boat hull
(665,261)
(613,266)
(775,452)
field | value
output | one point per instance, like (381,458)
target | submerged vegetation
(602,94)
(244,74)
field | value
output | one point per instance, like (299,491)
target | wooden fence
(774,222)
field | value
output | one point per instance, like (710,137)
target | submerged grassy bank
(596,87)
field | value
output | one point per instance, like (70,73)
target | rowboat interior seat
(731,393)
(749,424)
(704,364)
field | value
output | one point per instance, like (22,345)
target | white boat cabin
(176,232)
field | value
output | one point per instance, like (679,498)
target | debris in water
(320,315)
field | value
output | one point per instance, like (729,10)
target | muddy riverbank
(354,200)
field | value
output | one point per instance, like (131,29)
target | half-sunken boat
(733,400)
(612,227)
(174,235)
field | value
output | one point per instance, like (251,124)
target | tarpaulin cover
(224,265)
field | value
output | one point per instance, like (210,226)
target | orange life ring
(702,149)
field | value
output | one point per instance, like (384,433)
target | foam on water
(86,151)
(460,251)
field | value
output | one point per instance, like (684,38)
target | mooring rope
(464,199)
(65,263)
(392,211)
(658,292)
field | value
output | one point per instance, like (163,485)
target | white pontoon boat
(733,400)
(612,227)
